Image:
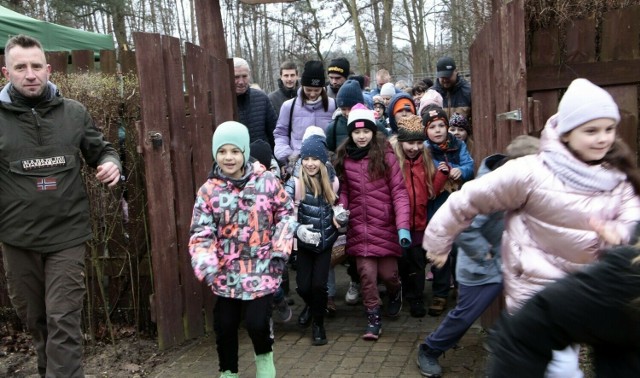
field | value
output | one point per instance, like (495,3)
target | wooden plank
(601,73)
(580,41)
(160,189)
(545,47)
(58,60)
(210,28)
(626,96)
(83,60)
(183,184)
(108,61)
(200,88)
(620,37)
(548,106)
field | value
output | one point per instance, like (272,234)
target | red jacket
(378,208)
(415,179)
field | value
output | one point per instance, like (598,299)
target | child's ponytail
(621,157)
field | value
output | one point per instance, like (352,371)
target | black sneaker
(395,304)
(319,336)
(304,319)
(428,362)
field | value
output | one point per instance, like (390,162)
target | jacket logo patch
(47,183)
(54,161)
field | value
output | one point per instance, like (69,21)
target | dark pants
(47,290)
(311,278)
(442,279)
(472,302)
(370,268)
(352,269)
(226,319)
(597,306)
(411,266)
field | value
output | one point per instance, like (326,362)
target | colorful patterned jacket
(241,234)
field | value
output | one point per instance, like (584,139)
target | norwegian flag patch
(47,183)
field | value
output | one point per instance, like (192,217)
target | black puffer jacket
(317,212)
(256,112)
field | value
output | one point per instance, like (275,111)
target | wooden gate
(176,145)
(513,70)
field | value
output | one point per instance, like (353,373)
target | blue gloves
(405,237)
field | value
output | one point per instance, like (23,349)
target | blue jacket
(457,156)
(482,237)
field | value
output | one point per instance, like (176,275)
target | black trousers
(227,314)
(412,266)
(311,278)
(598,306)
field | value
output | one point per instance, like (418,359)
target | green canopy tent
(52,36)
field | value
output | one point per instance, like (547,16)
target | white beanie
(360,116)
(387,90)
(313,130)
(583,102)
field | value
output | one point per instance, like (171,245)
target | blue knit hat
(315,146)
(234,133)
(349,94)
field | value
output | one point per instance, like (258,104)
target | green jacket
(43,203)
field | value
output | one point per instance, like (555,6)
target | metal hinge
(514,115)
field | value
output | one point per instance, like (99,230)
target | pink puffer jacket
(547,232)
(378,208)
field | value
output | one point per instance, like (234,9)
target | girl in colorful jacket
(423,182)
(373,190)
(448,150)
(583,179)
(241,236)
(314,192)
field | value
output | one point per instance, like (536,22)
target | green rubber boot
(264,366)
(228,374)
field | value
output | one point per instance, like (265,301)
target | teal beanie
(231,132)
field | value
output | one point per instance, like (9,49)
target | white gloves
(307,236)
(341,215)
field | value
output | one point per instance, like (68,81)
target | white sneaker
(353,294)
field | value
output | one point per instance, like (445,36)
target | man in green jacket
(44,210)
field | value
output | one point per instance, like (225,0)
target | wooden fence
(515,71)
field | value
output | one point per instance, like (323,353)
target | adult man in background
(454,89)
(287,86)
(338,72)
(254,108)
(44,210)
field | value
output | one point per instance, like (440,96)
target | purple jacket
(378,208)
(304,115)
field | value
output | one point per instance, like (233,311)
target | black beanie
(359,79)
(313,74)
(349,94)
(261,151)
(340,66)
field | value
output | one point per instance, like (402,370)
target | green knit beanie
(231,132)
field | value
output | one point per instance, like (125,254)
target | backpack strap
(291,116)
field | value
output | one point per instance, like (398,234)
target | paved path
(346,354)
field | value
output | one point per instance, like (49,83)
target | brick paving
(346,355)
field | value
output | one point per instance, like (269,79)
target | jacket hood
(490,163)
(6,98)
(392,103)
